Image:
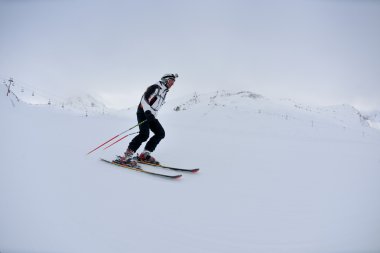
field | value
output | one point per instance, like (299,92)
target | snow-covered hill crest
(219,98)
(249,103)
(85,102)
(233,103)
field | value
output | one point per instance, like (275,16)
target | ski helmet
(166,77)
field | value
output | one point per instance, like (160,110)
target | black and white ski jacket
(154,98)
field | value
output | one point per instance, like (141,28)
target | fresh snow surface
(276,176)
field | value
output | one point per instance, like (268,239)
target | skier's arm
(149,98)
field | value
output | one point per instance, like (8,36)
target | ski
(141,170)
(168,167)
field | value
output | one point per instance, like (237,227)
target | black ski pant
(154,126)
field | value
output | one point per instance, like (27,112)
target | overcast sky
(314,51)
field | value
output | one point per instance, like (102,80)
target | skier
(150,103)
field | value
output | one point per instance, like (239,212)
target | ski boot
(128,159)
(146,157)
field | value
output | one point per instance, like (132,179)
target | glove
(149,116)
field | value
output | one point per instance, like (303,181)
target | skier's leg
(143,134)
(159,134)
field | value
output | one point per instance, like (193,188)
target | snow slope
(276,176)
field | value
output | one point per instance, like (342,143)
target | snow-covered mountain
(276,176)
(86,103)
(252,103)
(219,98)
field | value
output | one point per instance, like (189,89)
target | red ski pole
(120,140)
(101,145)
